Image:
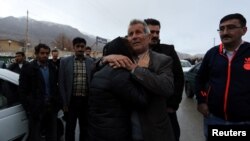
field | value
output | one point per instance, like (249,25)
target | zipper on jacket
(227,85)
(228,79)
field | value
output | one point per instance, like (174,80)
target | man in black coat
(173,101)
(154,72)
(19,62)
(113,95)
(38,90)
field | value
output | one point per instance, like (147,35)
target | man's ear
(244,30)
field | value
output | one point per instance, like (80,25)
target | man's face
(155,34)
(19,58)
(231,32)
(88,52)
(43,55)
(55,55)
(79,49)
(138,39)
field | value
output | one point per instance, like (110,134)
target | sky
(190,25)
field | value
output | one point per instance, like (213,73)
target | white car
(186,65)
(13,120)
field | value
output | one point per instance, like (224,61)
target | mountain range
(46,32)
(38,31)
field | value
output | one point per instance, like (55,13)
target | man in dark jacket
(55,60)
(19,62)
(154,72)
(222,82)
(113,95)
(173,101)
(39,94)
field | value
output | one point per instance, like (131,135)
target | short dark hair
(54,50)
(20,53)
(88,48)
(39,46)
(237,16)
(151,21)
(78,40)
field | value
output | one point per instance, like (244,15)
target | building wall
(14,46)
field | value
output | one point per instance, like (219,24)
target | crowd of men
(132,93)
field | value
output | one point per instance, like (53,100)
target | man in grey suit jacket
(154,72)
(74,77)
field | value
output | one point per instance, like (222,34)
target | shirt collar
(77,58)
(42,66)
(235,50)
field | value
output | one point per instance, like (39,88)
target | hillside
(38,31)
(47,32)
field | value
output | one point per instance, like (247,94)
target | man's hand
(117,61)
(144,61)
(203,109)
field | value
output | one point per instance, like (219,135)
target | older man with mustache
(153,71)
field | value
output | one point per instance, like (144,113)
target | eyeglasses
(228,27)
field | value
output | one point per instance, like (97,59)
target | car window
(196,68)
(185,64)
(8,94)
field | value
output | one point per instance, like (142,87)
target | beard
(155,41)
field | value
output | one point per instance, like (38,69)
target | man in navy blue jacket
(222,83)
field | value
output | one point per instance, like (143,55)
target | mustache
(226,36)
(155,38)
(81,51)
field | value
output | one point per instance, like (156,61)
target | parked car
(186,65)
(2,64)
(13,120)
(190,80)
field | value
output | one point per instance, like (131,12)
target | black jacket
(32,89)
(15,67)
(112,95)
(169,50)
(224,84)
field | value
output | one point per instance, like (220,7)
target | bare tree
(62,42)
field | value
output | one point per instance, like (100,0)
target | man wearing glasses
(222,83)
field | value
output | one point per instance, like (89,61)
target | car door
(190,80)
(13,120)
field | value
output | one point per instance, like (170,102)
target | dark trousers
(47,122)
(175,125)
(77,110)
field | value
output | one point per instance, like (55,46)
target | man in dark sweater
(174,101)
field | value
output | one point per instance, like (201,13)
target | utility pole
(27,44)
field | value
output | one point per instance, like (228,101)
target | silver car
(13,120)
